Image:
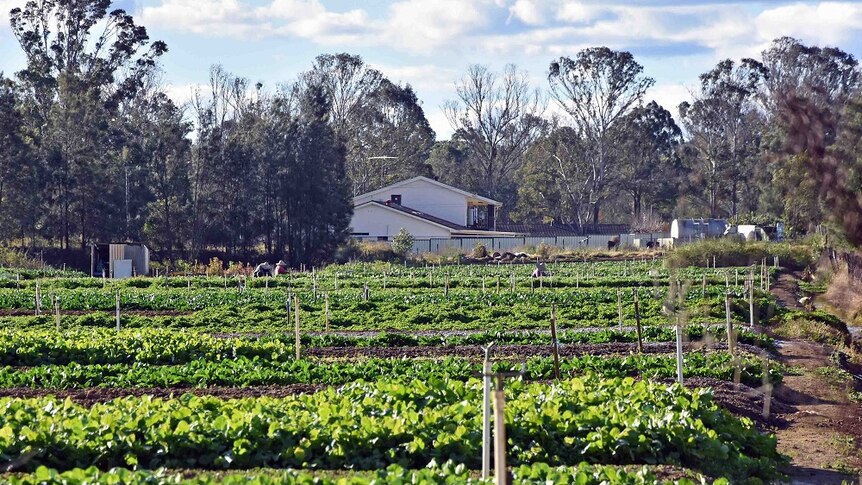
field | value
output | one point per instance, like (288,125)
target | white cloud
(527,11)
(233,18)
(577,12)
(424,78)
(669,96)
(420,26)
(181,94)
(825,23)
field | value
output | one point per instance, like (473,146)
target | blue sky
(430,43)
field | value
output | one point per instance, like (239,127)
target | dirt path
(823,428)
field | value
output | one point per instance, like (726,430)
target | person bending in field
(263,269)
(280,267)
(540,270)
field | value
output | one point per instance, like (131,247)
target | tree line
(92,149)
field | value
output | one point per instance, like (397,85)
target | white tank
(697,228)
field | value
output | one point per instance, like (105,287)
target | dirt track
(819,419)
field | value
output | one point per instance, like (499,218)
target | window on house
(382,238)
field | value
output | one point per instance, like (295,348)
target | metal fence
(502,244)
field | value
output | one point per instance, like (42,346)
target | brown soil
(820,420)
(22,312)
(518,351)
(94,395)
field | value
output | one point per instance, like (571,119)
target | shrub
(479,252)
(729,252)
(402,243)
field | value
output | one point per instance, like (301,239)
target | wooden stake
(751,304)
(638,322)
(767,387)
(38,302)
(118,311)
(731,344)
(326,303)
(500,474)
(678,350)
(620,308)
(296,324)
(56,300)
(554,341)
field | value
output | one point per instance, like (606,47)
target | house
(425,208)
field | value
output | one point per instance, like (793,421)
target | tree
(319,204)
(497,117)
(826,77)
(165,152)
(18,180)
(650,167)
(72,84)
(381,123)
(724,126)
(597,88)
(836,168)
(391,140)
(556,180)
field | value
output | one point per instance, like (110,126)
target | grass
(812,327)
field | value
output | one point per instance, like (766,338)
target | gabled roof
(389,188)
(415,214)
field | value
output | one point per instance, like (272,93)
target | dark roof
(564,230)
(421,215)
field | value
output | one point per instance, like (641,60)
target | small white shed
(119,260)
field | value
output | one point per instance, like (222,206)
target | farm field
(196,379)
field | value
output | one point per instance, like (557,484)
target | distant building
(427,209)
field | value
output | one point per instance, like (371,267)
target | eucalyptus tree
(724,125)
(555,180)
(380,122)
(597,89)
(497,116)
(650,166)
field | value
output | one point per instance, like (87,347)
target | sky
(430,43)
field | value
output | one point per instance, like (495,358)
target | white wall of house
(380,221)
(426,197)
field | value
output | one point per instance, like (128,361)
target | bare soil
(518,351)
(90,396)
(822,428)
(23,312)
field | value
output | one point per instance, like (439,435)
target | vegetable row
(244,372)
(159,346)
(374,425)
